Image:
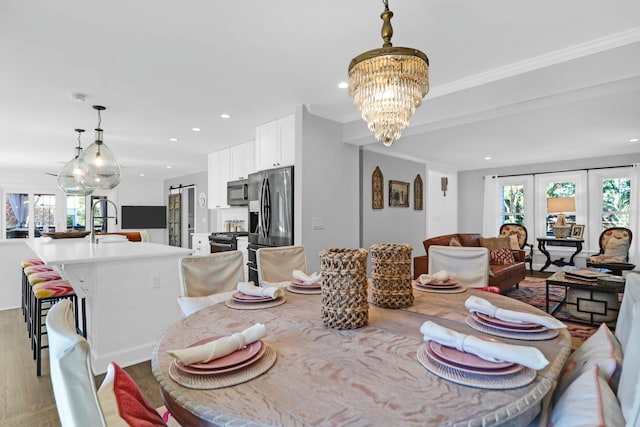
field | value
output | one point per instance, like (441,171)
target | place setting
(251,297)
(439,283)
(490,319)
(479,362)
(302,283)
(222,361)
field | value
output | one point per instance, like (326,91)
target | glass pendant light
(67,181)
(101,169)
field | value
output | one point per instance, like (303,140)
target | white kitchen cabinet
(218,174)
(242,161)
(200,244)
(275,143)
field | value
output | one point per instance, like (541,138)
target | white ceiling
(522,82)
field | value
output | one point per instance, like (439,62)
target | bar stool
(45,294)
(33,279)
(26,272)
(30,262)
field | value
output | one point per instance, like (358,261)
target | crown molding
(548,59)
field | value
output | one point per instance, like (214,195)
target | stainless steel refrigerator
(270,212)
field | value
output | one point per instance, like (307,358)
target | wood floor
(26,400)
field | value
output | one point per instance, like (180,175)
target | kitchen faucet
(92,237)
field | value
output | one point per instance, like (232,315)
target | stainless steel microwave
(238,193)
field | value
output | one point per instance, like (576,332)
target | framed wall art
(417,193)
(377,189)
(399,194)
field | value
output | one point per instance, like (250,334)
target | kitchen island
(130,290)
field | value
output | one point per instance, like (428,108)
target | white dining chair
(468,265)
(276,264)
(208,279)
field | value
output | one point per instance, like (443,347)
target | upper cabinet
(275,143)
(242,161)
(230,164)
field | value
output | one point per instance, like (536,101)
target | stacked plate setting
(242,298)
(468,363)
(299,287)
(232,362)
(505,329)
(446,286)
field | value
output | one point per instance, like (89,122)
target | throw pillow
(514,242)
(495,242)
(589,401)
(501,256)
(454,242)
(122,402)
(602,349)
(616,248)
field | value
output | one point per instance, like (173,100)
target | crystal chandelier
(67,181)
(388,84)
(100,168)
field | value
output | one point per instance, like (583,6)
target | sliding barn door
(175,223)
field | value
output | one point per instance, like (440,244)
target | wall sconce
(444,182)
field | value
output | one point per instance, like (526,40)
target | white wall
(442,211)
(326,187)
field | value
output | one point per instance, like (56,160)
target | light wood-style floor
(26,400)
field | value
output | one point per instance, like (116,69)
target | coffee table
(599,307)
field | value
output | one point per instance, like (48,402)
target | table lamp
(560,205)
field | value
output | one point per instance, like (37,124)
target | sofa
(503,276)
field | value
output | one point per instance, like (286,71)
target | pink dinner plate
(507,326)
(190,369)
(238,356)
(461,358)
(240,297)
(298,284)
(511,369)
(443,285)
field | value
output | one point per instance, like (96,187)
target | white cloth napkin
(481,305)
(265,284)
(438,277)
(492,351)
(248,288)
(220,347)
(306,279)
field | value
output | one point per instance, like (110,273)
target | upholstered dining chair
(208,279)
(520,241)
(77,400)
(614,245)
(468,265)
(277,264)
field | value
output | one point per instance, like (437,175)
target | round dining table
(368,376)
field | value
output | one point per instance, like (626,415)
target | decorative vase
(391,275)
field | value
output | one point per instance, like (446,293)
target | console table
(542,246)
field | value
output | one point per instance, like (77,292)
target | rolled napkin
(492,351)
(219,348)
(481,305)
(438,277)
(265,284)
(248,288)
(306,279)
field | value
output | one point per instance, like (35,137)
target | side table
(542,246)
(595,302)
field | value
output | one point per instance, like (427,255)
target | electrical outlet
(155,282)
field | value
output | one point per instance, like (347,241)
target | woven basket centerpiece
(391,275)
(344,288)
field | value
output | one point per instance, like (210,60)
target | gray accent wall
(201,182)
(471,183)
(392,224)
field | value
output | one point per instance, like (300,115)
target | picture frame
(399,194)
(577,231)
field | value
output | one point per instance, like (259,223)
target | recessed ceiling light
(141,174)
(487,158)
(195,129)
(633,140)
(343,85)
(168,166)
(225,116)
(173,139)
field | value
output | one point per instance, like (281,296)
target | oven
(223,242)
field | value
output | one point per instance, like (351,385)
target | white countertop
(73,251)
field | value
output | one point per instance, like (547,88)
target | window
(44,213)
(616,195)
(17,215)
(560,189)
(76,213)
(516,200)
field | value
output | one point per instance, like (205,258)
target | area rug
(532,290)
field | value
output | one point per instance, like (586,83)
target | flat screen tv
(135,217)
